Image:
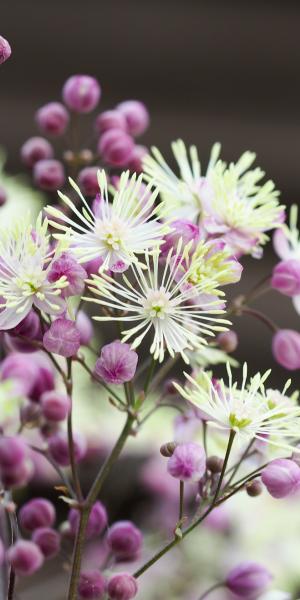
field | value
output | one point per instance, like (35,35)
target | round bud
(228,341)
(91,585)
(55,406)
(49,175)
(88,181)
(81,93)
(59,448)
(52,118)
(13,451)
(36,513)
(116,147)
(167,449)
(124,540)
(18,476)
(281,477)
(122,586)
(248,580)
(136,115)
(48,541)
(25,557)
(5,50)
(85,327)
(214,464)
(34,150)
(286,348)
(254,488)
(110,119)
(3,196)
(96,523)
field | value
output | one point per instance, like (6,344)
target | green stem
(106,387)
(238,464)
(73,463)
(181,500)
(211,589)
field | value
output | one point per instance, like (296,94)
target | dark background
(208,70)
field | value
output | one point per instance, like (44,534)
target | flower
(25,557)
(188,462)
(286,348)
(287,245)
(62,338)
(229,201)
(124,540)
(250,411)
(117,363)
(281,477)
(118,231)
(248,579)
(167,304)
(24,266)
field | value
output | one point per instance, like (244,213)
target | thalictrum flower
(249,410)
(119,230)
(24,266)
(178,313)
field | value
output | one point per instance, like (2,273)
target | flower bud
(188,462)
(135,163)
(62,338)
(85,327)
(3,196)
(286,348)
(122,586)
(117,363)
(59,448)
(5,50)
(45,378)
(214,464)
(36,513)
(13,451)
(22,370)
(96,523)
(91,585)
(116,147)
(181,229)
(88,181)
(254,488)
(228,341)
(110,119)
(281,477)
(286,277)
(18,475)
(2,553)
(53,118)
(248,580)
(81,93)
(136,115)
(35,150)
(167,449)
(124,540)
(55,406)
(30,328)
(48,541)
(49,174)
(25,557)
(67,266)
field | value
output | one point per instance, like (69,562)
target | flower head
(164,303)
(24,267)
(249,410)
(118,231)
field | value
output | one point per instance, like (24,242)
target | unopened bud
(168,449)
(214,464)
(254,488)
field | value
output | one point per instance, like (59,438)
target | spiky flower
(179,314)
(24,266)
(119,230)
(249,410)
(228,201)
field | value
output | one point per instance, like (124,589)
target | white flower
(249,410)
(119,230)
(25,261)
(164,303)
(229,201)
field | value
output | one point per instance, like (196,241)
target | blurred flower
(49,174)
(125,540)
(96,523)
(188,462)
(136,115)
(116,147)
(122,586)
(287,245)
(286,348)
(281,477)
(36,149)
(91,585)
(48,541)
(81,93)
(53,118)
(110,119)
(5,50)
(248,580)
(25,557)
(35,513)
(59,448)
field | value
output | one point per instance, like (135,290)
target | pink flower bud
(136,161)
(228,341)
(85,328)
(67,266)
(3,196)
(45,379)
(117,363)
(136,115)
(62,338)
(122,586)
(181,229)
(248,580)
(286,277)
(5,50)
(35,150)
(49,175)
(81,93)
(48,541)
(29,328)
(116,147)
(36,513)
(88,181)
(53,118)
(13,451)
(96,523)
(91,585)
(93,266)
(55,406)
(188,462)
(17,476)
(110,119)
(59,448)
(124,540)
(22,370)
(281,477)
(286,348)
(25,557)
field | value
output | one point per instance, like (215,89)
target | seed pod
(168,449)
(214,464)
(254,488)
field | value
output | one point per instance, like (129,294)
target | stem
(149,376)
(74,469)
(181,500)
(238,464)
(91,498)
(57,468)
(211,589)
(163,371)
(106,387)
(11,584)
(261,317)
(204,432)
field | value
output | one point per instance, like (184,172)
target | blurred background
(207,70)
